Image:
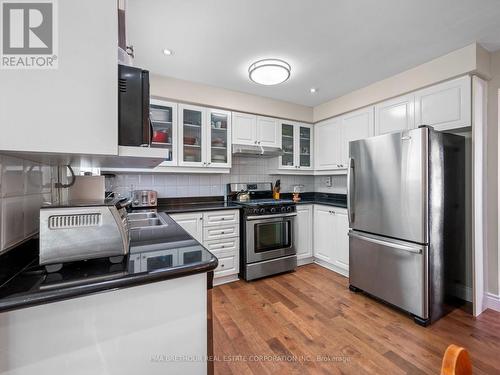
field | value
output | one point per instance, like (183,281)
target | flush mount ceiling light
(269,72)
(167,52)
(313,90)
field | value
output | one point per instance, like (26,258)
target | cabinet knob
(221,266)
(221,232)
(223,218)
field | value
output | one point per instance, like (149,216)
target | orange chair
(456,361)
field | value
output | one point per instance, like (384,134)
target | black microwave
(134,128)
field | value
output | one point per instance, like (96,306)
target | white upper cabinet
(297,145)
(355,125)
(244,128)
(395,115)
(72,109)
(255,130)
(268,132)
(192,136)
(163,117)
(445,106)
(327,145)
(204,137)
(219,138)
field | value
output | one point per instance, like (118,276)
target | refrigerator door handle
(417,249)
(350,191)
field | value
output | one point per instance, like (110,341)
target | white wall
(492,177)
(24,186)
(191,92)
(472,58)
(244,169)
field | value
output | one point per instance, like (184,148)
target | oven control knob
(262,211)
(283,209)
(255,210)
(289,209)
(273,210)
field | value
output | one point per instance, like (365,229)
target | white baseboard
(301,262)
(492,301)
(331,267)
(225,279)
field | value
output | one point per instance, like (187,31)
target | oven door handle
(259,217)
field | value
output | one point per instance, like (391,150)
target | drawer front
(221,247)
(228,265)
(220,232)
(225,217)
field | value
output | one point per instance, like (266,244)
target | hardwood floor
(281,324)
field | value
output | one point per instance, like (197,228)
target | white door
(445,106)
(303,229)
(395,115)
(244,128)
(288,144)
(192,136)
(323,233)
(355,125)
(268,132)
(327,150)
(163,116)
(341,242)
(191,223)
(218,138)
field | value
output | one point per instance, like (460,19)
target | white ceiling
(334,45)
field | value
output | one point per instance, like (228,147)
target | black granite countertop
(170,252)
(328,199)
(197,204)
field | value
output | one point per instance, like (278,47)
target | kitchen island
(147,314)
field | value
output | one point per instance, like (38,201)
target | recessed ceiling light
(269,71)
(313,90)
(167,52)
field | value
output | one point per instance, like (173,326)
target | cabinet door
(219,138)
(327,145)
(244,129)
(268,132)
(163,116)
(323,233)
(304,149)
(355,125)
(341,241)
(445,106)
(192,136)
(287,161)
(191,223)
(395,115)
(303,229)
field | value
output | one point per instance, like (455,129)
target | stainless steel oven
(269,237)
(266,234)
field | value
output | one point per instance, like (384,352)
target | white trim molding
(492,301)
(479,100)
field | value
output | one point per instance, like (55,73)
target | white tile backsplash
(339,184)
(24,186)
(188,185)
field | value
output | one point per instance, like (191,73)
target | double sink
(139,220)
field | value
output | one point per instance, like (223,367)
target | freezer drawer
(394,271)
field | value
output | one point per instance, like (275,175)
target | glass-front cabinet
(191,135)
(296,141)
(204,137)
(219,138)
(163,117)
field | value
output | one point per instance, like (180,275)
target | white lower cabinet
(192,223)
(331,243)
(303,233)
(218,231)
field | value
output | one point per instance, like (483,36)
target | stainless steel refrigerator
(406,208)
